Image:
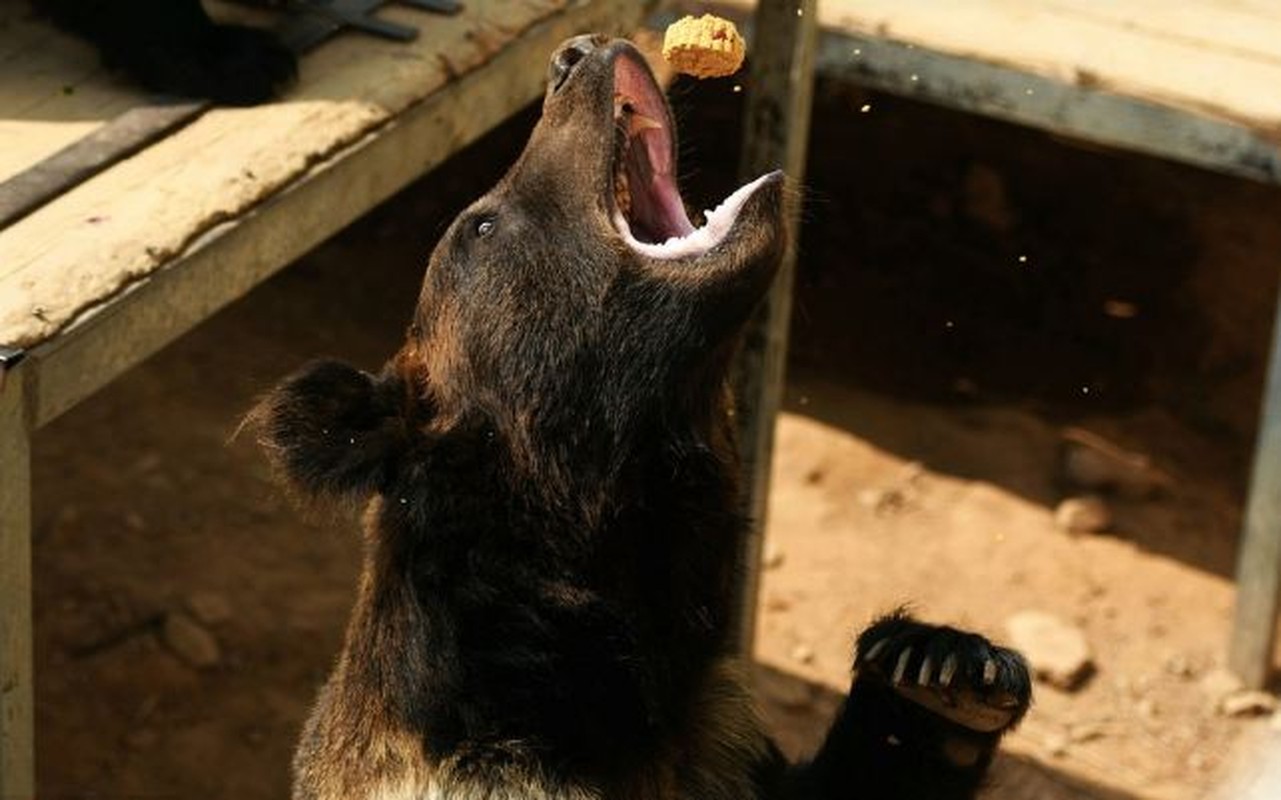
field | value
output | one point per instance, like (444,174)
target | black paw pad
(958,675)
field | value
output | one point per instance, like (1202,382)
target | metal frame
(775,134)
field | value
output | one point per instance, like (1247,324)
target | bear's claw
(960,676)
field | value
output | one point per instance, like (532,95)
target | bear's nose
(569,55)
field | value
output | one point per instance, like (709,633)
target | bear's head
(568,318)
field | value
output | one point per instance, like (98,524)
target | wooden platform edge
(1077,110)
(1091,114)
(153,311)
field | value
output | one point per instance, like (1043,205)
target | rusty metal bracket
(10,357)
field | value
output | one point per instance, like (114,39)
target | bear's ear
(331,429)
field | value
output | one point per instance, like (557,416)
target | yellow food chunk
(705,47)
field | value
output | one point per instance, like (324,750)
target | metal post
(775,134)
(17,703)
(1254,629)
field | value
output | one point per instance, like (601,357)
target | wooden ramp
(117,267)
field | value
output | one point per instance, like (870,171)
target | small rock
(1057,650)
(1179,666)
(913,472)
(1218,683)
(803,654)
(1089,461)
(189,641)
(1086,732)
(774,557)
(1248,704)
(1057,744)
(1083,515)
(1147,708)
(209,608)
(883,501)
(777,603)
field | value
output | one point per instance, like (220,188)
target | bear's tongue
(644,190)
(648,210)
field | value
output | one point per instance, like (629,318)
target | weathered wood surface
(120,138)
(52,90)
(114,230)
(775,134)
(1191,81)
(1214,56)
(17,703)
(237,255)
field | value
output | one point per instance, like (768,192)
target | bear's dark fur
(546,591)
(173,46)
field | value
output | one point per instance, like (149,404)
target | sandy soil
(932,375)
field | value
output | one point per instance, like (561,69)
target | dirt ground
(968,290)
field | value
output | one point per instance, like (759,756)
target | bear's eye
(484,227)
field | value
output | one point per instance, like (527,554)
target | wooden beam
(1081,110)
(229,261)
(775,134)
(17,703)
(923,51)
(82,159)
(1254,630)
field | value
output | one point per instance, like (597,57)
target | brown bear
(554,506)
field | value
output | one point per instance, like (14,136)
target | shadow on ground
(798,713)
(962,264)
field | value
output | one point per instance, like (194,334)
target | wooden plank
(1212,24)
(1098,53)
(52,90)
(89,245)
(83,158)
(17,703)
(1087,113)
(1075,43)
(235,256)
(1075,106)
(775,134)
(1254,629)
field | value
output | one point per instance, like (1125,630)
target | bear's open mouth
(646,203)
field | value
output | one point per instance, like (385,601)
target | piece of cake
(705,47)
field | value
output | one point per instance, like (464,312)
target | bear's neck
(487,615)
